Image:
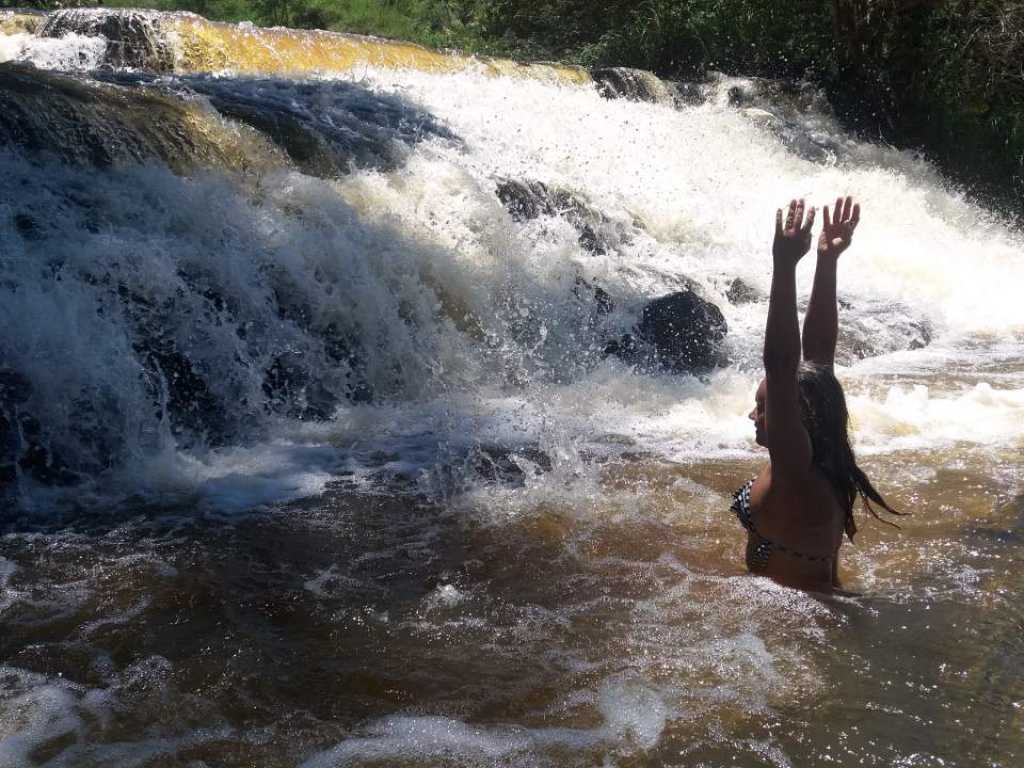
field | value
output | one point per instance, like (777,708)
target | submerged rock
(680,332)
(23,441)
(869,329)
(740,292)
(632,84)
(526,200)
(508,466)
(588,292)
(798,112)
(15,390)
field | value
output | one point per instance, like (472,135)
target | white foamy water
(70,53)
(469,322)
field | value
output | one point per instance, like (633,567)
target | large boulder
(680,332)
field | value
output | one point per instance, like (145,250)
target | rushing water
(334,469)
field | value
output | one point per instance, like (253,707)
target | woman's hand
(837,234)
(792,239)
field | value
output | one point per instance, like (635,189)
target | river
(331,465)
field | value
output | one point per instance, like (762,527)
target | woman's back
(795,530)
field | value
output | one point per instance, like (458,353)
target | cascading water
(330,433)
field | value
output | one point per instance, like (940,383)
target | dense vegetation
(942,75)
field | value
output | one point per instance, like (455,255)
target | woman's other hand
(792,237)
(837,234)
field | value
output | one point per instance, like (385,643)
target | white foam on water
(72,52)
(32,711)
(37,709)
(706,183)
(634,715)
(425,738)
(911,417)
(472,330)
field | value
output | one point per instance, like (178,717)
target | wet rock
(343,350)
(740,292)
(45,468)
(9,447)
(21,21)
(688,94)
(28,227)
(15,388)
(870,329)
(135,38)
(326,128)
(23,451)
(797,112)
(526,200)
(507,466)
(680,332)
(290,390)
(586,291)
(90,123)
(632,84)
(192,407)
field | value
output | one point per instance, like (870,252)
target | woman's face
(757,415)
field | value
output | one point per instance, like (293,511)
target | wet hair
(824,415)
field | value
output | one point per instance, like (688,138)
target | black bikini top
(758,560)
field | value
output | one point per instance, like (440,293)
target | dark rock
(739,292)
(342,349)
(135,38)
(625,347)
(603,303)
(688,94)
(46,468)
(289,389)
(684,331)
(15,388)
(192,407)
(526,200)
(632,84)
(499,464)
(27,226)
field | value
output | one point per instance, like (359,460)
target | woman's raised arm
(821,325)
(787,440)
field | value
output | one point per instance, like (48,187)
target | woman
(797,510)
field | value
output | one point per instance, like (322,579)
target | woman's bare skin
(792,502)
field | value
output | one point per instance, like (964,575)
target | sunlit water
(518,552)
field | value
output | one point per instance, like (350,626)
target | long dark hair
(824,415)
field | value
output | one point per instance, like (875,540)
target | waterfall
(218,239)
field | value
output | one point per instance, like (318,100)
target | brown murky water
(614,629)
